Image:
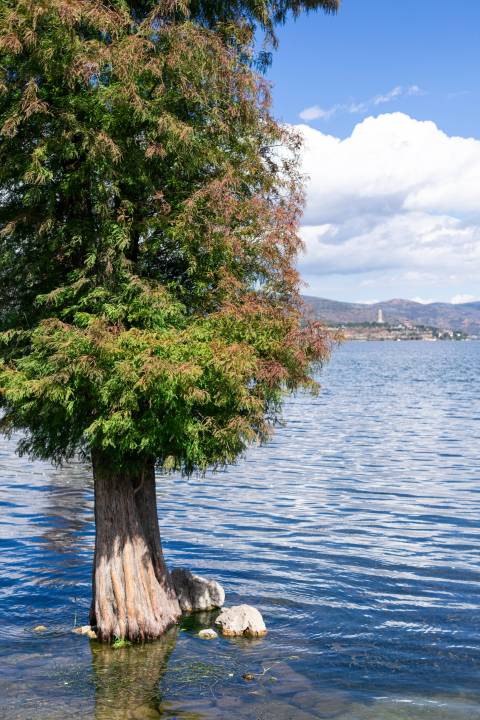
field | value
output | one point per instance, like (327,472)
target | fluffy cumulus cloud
(398,199)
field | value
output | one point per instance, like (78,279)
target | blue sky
(377,70)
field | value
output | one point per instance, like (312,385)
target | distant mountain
(465,317)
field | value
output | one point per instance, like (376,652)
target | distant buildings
(380,330)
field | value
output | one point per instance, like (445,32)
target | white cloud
(315,112)
(396,92)
(389,96)
(465,298)
(415,90)
(398,196)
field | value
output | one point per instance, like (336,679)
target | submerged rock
(288,681)
(208,634)
(248,676)
(196,593)
(241,620)
(323,704)
(276,710)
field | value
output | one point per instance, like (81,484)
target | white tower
(380,316)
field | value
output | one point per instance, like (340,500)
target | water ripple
(356,531)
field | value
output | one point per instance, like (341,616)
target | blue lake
(356,532)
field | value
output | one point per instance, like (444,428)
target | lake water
(356,532)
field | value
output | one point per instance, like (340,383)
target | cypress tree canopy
(149,207)
(263,13)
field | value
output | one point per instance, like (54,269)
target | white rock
(82,629)
(196,593)
(85,630)
(207,634)
(241,620)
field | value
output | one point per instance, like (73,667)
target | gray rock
(241,620)
(196,593)
(208,634)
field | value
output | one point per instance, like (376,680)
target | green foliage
(265,14)
(148,231)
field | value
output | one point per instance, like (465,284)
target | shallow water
(356,532)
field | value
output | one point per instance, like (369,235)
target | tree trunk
(132,595)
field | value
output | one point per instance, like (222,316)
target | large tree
(149,307)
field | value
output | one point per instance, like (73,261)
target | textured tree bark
(132,595)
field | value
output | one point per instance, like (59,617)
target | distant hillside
(465,317)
